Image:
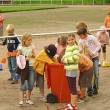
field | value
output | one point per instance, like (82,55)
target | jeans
(28,84)
(12,66)
(96,74)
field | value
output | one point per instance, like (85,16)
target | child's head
(71,39)
(102,29)
(26,39)
(82,32)
(10,29)
(108,13)
(51,50)
(80,24)
(62,40)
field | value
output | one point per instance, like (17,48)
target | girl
(61,44)
(102,36)
(70,60)
(27,82)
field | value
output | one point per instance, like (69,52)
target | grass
(26,8)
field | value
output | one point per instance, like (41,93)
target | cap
(102,28)
(51,49)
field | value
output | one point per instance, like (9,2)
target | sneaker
(90,93)
(29,102)
(80,101)
(10,79)
(14,82)
(70,107)
(99,63)
(43,99)
(85,99)
(21,102)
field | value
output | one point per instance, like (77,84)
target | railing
(55,33)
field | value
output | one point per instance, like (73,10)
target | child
(12,44)
(81,24)
(102,37)
(89,45)
(1,23)
(27,82)
(107,22)
(85,76)
(70,60)
(45,56)
(61,44)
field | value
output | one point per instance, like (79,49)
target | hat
(102,28)
(51,49)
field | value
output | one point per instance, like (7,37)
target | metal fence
(61,2)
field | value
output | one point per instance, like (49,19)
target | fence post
(82,2)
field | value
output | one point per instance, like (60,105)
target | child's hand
(27,58)
(91,54)
(62,60)
(31,55)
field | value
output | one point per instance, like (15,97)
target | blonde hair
(25,36)
(62,40)
(10,27)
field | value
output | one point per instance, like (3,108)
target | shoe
(14,82)
(70,107)
(99,63)
(43,99)
(95,91)
(21,102)
(10,79)
(85,99)
(29,102)
(81,101)
(90,93)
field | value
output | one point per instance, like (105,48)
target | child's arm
(32,54)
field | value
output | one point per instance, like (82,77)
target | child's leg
(104,56)
(104,52)
(21,95)
(73,89)
(83,92)
(40,84)
(74,100)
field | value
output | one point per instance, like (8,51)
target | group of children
(79,59)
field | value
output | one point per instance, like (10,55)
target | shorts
(103,48)
(39,80)
(85,78)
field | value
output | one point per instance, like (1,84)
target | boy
(85,75)
(12,44)
(89,45)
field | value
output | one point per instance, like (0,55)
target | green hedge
(75,2)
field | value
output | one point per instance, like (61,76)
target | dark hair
(82,30)
(80,24)
(50,50)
